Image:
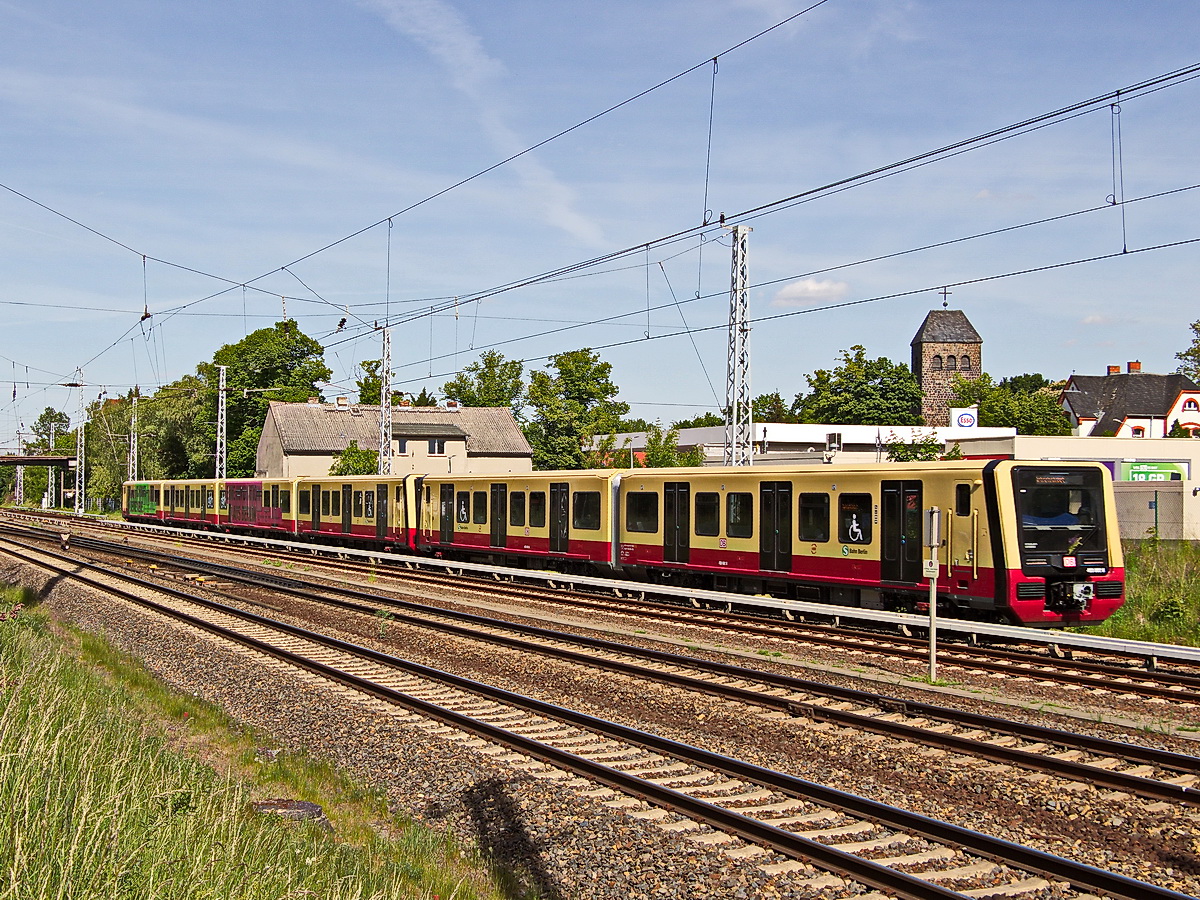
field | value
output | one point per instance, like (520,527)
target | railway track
(750,811)
(1102,677)
(1141,771)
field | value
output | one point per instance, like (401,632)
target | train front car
(1055,529)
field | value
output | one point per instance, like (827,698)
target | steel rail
(1077,874)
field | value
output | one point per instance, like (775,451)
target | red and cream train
(1028,542)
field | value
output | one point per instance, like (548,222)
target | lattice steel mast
(80,446)
(222,443)
(739,415)
(385,404)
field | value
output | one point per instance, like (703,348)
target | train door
(560,517)
(677,521)
(347,507)
(381,511)
(446,514)
(900,532)
(775,526)
(499,514)
(315,507)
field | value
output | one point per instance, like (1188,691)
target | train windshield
(1060,510)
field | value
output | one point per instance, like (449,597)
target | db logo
(966,420)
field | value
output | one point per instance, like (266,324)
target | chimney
(451,404)
(343,401)
(314,400)
(1114,370)
(1134,367)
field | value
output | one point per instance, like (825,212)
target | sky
(218,164)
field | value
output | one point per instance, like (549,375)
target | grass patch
(1163,591)
(95,801)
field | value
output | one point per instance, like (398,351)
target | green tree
(1033,412)
(1189,359)
(704,420)
(276,363)
(861,391)
(52,422)
(662,449)
(772,408)
(355,461)
(572,403)
(425,398)
(491,381)
(1178,431)
(181,441)
(925,448)
(370,384)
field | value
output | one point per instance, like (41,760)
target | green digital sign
(1154,471)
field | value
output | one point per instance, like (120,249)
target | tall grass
(94,805)
(1163,591)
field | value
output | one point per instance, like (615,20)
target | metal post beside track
(933,537)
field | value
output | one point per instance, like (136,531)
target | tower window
(951,362)
(965,363)
(937,364)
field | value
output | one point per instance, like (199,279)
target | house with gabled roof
(303,439)
(1132,403)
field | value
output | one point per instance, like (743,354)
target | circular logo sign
(966,420)
(845,550)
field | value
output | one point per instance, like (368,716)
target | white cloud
(445,34)
(810,291)
(1096,320)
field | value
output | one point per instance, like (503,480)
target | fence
(1142,510)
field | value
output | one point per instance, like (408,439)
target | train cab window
(854,518)
(305,502)
(335,503)
(537,509)
(739,514)
(324,503)
(708,513)
(641,512)
(285,501)
(400,494)
(479,507)
(962,499)
(358,504)
(369,504)
(274,496)
(462,506)
(585,510)
(516,509)
(814,517)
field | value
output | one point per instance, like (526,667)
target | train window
(335,503)
(358,505)
(223,499)
(962,499)
(739,515)
(463,505)
(516,509)
(158,497)
(400,494)
(305,502)
(708,513)
(537,509)
(266,499)
(285,501)
(854,518)
(479,507)
(274,496)
(585,510)
(814,517)
(210,498)
(641,512)
(369,504)
(324,503)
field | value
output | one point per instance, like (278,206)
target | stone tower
(946,346)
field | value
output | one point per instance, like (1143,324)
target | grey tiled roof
(946,326)
(1110,399)
(327,428)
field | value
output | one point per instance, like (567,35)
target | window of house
(479,507)
(814,517)
(537,509)
(1191,405)
(641,512)
(437,447)
(708,513)
(462,503)
(516,509)
(1139,431)
(739,515)
(402,446)
(585,510)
